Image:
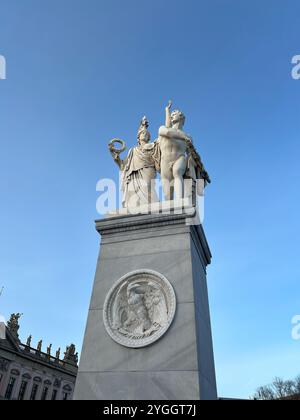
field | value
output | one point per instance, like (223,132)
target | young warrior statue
(179,159)
(138,168)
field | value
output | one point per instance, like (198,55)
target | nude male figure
(174,143)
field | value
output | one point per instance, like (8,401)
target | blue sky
(81,72)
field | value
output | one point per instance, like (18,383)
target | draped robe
(139,173)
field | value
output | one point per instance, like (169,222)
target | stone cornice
(133,222)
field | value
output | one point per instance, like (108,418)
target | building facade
(28,373)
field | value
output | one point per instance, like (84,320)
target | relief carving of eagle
(139,309)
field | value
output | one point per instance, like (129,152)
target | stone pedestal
(180,364)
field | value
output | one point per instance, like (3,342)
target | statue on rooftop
(28,342)
(13,324)
(57,355)
(39,346)
(70,355)
(49,350)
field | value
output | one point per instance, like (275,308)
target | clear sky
(81,72)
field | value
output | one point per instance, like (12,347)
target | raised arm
(118,160)
(115,153)
(168,115)
(116,157)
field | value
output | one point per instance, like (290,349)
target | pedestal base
(180,365)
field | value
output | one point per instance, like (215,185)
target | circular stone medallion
(139,308)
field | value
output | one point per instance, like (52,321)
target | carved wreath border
(133,343)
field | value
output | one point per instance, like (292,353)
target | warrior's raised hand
(168,114)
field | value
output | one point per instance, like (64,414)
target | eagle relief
(139,308)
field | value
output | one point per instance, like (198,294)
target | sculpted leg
(179,169)
(168,189)
(167,182)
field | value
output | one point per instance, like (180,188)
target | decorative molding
(128,223)
(139,308)
(57,383)
(47,382)
(4,365)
